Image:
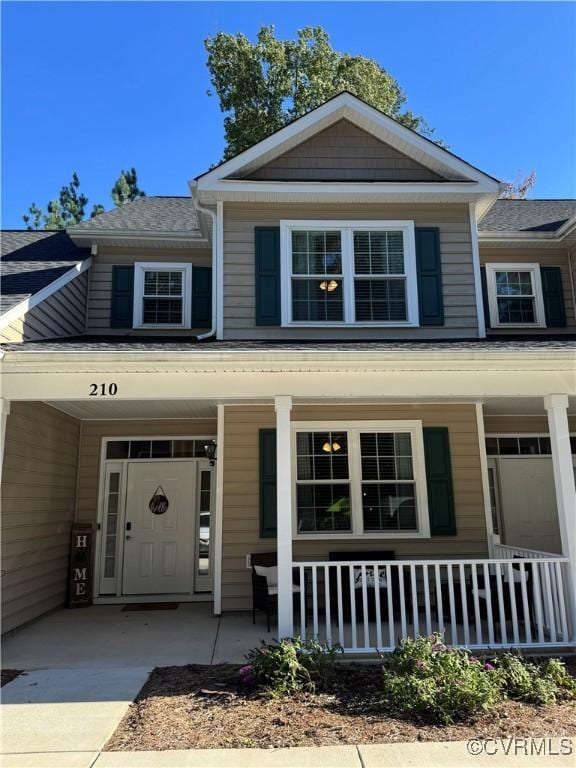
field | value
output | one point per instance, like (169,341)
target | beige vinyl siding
(519,425)
(91,438)
(343,152)
(240,220)
(241,490)
(100,288)
(62,314)
(545,257)
(38,494)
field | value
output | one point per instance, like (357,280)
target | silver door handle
(128,537)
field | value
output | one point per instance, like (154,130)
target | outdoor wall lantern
(210,451)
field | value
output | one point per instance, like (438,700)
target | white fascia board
(346,106)
(37,298)
(103,236)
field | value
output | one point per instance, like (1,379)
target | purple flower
(488,667)
(472,659)
(247,675)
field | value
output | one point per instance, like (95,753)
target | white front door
(529,510)
(159,547)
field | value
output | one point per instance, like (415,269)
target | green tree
(262,86)
(126,188)
(69,207)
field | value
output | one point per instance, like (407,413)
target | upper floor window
(357,273)
(162,295)
(515,295)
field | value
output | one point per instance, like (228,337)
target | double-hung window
(515,295)
(162,295)
(363,479)
(349,273)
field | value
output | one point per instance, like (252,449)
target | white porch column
(283,406)
(4,413)
(557,408)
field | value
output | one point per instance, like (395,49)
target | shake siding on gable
(62,314)
(545,257)
(240,220)
(241,490)
(100,290)
(343,152)
(38,496)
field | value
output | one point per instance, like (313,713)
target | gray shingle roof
(190,344)
(32,260)
(154,214)
(527,215)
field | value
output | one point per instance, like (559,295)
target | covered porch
(463,575)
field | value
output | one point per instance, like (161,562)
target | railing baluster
(524,576)
(365,607)
(501,606)
(563,617)
(327,612)
(513,608)
(340,613)
(439,607)
(549,604)
(353,606)
(377,606)
(389,587)
(453,628)
(464,601)
(414,592)
(315,602)
(538,601)
(476,598)
(402,601)
(488,601)
(427,600)
(302,572)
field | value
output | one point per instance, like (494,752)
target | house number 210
(98,390)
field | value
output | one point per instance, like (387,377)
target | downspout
(216,263)
(476,267)
(571,275)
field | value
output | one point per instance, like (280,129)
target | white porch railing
(509,550)
(490,603)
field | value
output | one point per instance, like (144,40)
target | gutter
(215,264)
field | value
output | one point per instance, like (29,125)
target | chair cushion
(271,575)
(274,590)
(370,581)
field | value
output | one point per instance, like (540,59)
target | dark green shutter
(267,447)
(553,295)
(485,303)
(439,481)
(201,297)
(121,315)
(267,243)
(429,268)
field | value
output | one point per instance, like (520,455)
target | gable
(342,152)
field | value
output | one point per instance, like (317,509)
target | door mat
(150,607)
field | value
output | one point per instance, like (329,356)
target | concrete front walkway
(105,636)
(63,717)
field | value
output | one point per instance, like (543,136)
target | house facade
(341,351)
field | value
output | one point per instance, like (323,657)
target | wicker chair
(264,599)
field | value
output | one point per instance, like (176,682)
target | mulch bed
(202,707)
(7,675)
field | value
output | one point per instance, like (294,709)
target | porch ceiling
(137,409)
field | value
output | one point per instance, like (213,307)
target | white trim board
(44,293)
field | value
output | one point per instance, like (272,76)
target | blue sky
(96,87)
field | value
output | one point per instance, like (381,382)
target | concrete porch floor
(105,636)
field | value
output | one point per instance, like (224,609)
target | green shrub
(534,683)
(290,666)
(426,678)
